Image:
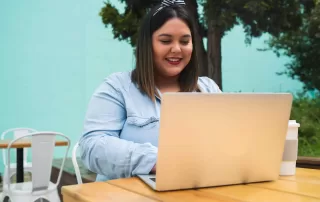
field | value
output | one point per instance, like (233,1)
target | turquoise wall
(54,54)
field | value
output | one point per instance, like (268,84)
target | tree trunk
(214,53)
(199,35)
(203,62)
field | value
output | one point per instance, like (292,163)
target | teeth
(173,59)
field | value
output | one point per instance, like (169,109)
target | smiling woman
(166,43)
(120,136)
(172,50)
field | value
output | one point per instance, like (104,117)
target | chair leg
(54,197)
(6,199)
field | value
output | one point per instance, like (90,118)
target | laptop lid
(220,138)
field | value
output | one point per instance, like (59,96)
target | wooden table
(19,145)
(303,187)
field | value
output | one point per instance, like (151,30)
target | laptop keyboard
(153,179)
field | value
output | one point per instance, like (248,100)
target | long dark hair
(143,74)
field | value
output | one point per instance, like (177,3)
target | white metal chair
(40,187)
(17,132)
(75,163)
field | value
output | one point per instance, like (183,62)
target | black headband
(166,3)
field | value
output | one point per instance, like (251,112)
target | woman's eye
(165,41)
(184,42)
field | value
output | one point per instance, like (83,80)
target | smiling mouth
(174,61)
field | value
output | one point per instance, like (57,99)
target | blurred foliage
(302,46)
(306,110)
(256,16)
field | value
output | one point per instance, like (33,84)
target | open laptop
(214,139)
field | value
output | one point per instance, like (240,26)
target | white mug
(290,153)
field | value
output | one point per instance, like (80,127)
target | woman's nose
(175,48)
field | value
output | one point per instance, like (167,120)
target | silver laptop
(219,139)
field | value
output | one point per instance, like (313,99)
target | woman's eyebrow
(186,36)
(168,35)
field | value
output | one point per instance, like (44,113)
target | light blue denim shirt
(120,136)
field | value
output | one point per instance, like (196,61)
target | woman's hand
(153,170)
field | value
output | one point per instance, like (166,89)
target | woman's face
(172,47)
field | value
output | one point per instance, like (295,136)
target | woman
(121,127)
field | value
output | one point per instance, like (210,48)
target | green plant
(306,110)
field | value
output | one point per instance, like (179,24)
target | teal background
(55,53)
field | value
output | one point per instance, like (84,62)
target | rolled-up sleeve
(102,151)
(208,85)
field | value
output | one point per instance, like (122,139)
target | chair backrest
(17,132)
(42,148)
(75,163)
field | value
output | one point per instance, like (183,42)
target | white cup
(290,154)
